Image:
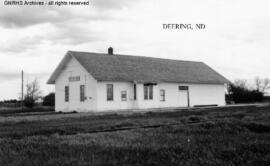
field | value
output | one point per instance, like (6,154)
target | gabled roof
(104,67)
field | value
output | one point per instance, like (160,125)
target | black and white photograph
(134,83)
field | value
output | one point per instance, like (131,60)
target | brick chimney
(110,51)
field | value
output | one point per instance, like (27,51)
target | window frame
(148,92)
(82,93)
(162,94)
(151,92)
(124,98)
(66,93)
(110,97)
(145,92)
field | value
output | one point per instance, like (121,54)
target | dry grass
(218,136)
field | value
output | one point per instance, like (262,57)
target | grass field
(209,136)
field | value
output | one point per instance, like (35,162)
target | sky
(235,41)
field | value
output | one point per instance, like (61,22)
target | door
(184,96)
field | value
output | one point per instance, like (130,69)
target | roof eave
(59,68)
(162,81)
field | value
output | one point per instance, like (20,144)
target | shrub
(29,102)
(49,100)
(241,94)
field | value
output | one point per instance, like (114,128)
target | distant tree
(262,84)
(241,83)
(49,100)
(33,93)
(239,92)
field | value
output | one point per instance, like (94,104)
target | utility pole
(22,93)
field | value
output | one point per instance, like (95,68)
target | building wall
(73,68)
(142,103)
(117,103)
(205,94)
(172,96)
(199,94)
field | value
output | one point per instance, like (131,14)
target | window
(82,93)
(148,92)
(66,93)
(124,95)
(162,95)
(135,92)
(183,87)
(109,92)
(145,89)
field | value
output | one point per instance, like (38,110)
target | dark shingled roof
(104,67)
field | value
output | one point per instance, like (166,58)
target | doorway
(184,96)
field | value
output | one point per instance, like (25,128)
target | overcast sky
(236,41)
